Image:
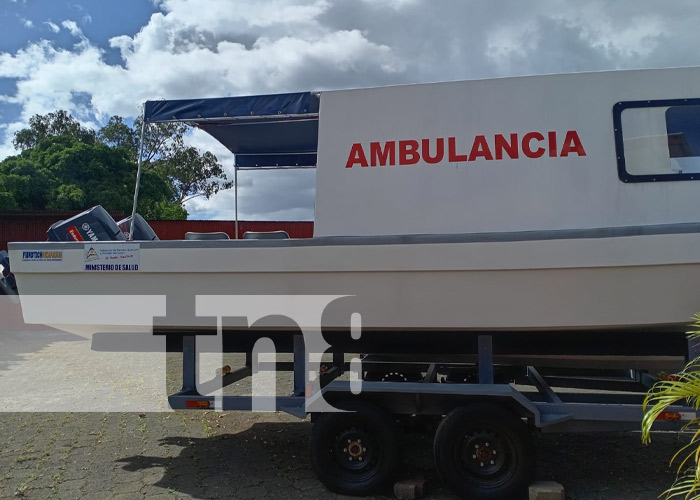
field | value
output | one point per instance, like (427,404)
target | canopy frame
(265,132)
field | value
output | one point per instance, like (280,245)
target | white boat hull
(568,284)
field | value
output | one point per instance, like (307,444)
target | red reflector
(670,416)
(196,404)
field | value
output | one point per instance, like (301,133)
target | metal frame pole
(235,180)
(301,371)
(189,365)
(485,368)
(138,179)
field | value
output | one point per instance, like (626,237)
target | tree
(191,172)
(25,185)
(7,201)
(685,386)
(119,135)
(62,166)
(58,123)
(62,173)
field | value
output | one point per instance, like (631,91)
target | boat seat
(265,235)
(206,236)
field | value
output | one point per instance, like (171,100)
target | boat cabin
(574,151)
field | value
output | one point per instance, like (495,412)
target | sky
(98,58)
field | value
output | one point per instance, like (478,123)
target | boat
(555,208)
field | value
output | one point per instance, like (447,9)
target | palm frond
(668,392)
(695,333)
(683,387)
(692,451)
(685,486)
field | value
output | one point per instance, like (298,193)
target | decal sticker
(42,255)
(75,234)
(91,255)
(112,258)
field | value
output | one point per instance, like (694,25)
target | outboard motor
(142,231)
(94,224)
(8,285)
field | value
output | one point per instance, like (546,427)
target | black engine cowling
(8,285)
(94,224)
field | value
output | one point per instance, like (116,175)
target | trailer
(483,414)
(494,245)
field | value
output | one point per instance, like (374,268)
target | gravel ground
(202,455)
(109,454)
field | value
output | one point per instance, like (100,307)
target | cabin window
(658,140)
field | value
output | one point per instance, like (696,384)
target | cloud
(72,28)
(263,195)
(9,129)
(236,47)
(52,26)
(27,23)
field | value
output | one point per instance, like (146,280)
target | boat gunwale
(405,239)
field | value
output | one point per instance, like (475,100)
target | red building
(32,226)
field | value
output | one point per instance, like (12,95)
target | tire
(380,376)
(484,452)
(357,452)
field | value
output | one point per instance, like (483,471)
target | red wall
(28,226)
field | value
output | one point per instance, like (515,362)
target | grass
(21,489)
(208,432)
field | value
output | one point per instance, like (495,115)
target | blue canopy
(262,131)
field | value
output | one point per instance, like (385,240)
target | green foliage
(190,172)
(25,183)
(65,166)
(164,211)
(7,201)
(58,123)
(156,199)
(685,387)
(119,135)
(68,197)
(63,174)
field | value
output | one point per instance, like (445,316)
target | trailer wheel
(485,452)
(355,452)
(381,376)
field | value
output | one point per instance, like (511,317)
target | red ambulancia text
(498,147)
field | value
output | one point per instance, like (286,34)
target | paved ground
(225,455)
(103,452)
